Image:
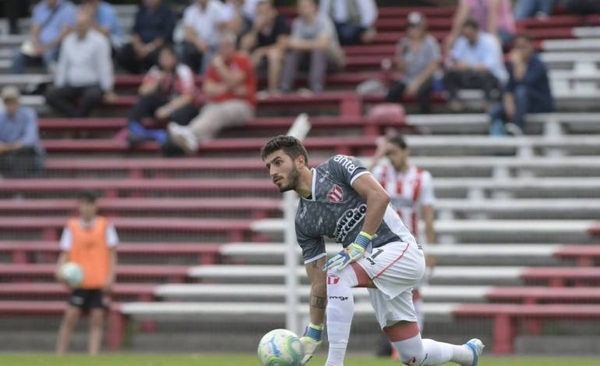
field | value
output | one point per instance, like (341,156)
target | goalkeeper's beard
(293,179)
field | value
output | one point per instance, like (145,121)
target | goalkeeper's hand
(351,253)
(311,340)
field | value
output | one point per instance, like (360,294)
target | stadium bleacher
(516,216)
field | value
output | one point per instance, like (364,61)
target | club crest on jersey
(332,279)
(336,194)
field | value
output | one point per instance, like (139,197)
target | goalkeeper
(340,199)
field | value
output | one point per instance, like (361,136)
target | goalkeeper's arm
(318,303)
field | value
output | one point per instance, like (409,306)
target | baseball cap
(415,18)
(10,92)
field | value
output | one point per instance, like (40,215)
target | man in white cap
(20,149)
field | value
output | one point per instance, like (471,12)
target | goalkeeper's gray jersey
(337,211)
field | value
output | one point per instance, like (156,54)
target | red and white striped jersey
(408,191)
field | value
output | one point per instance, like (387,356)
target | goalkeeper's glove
(351,253)
(310,341)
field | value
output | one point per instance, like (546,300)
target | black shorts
(88,299)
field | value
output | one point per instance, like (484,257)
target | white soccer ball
(280,347)
(72,273)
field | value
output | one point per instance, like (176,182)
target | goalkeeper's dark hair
(88,196)
(290,145)
(399,141)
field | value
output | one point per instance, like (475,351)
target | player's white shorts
(395,268)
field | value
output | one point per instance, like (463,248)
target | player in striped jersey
(412,195)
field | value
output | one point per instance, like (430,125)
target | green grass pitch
(249,360)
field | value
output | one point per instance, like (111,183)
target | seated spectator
(84,76)
(525,9)
(476,63)
(418,57)
(493,16)
(21,153)
(354,19)
(202,21)
(230,90)
(313,43)
(166,94)
(233,17)
(527,91)
(266,42)
(105,20)
(51,22)
(153,27)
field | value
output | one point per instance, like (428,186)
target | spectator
(230,89)
(526,9)
(494,16)
(153,27)
(528,89)
(51,22)
(91,242)
(202,21)
(418,57)
(476,63)
(233,17)
(167,94)
(85,72)
(21,153)
(354,19)
(314,43)
(105,20)
(266,42)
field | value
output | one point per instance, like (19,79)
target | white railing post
(299,129)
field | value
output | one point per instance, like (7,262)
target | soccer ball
(280,347)
(72,273)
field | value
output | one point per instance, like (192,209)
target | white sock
(427,352)
(340,311)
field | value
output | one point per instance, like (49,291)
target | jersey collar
(313,184)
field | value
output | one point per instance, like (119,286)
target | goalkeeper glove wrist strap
(363,239)
(314,331)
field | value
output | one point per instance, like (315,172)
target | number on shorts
(377,252)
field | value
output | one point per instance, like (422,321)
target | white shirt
(205,22)
(486,51)
(249,8)
(66,240)
(367,10)
(409,192)
(85,62)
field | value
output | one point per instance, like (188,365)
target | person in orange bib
(89,241)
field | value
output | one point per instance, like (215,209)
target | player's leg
(406,337)
(418,304)
(65,331)
(96,330)
(395,270)
(340,309)
(98,306)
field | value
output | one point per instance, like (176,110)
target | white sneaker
(477,346)
(190,141)
(183,137)
(513,129)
